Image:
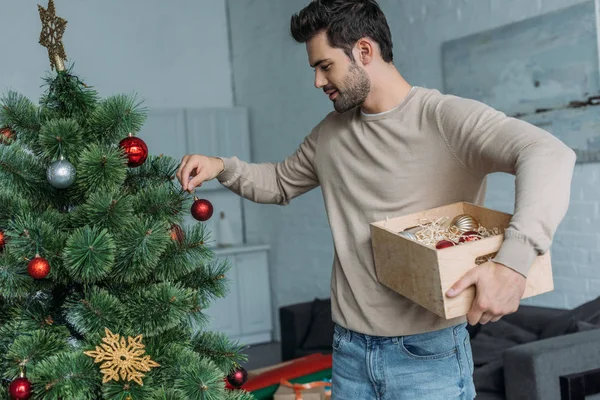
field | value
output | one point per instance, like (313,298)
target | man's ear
(366,50)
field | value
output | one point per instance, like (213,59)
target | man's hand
(498,291)
(196,168)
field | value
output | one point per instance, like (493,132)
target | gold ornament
(53,28)
(465,223)
(122,358)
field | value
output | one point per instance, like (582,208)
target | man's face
(343,80)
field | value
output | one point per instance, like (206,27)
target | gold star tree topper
(122,359)
(53,28)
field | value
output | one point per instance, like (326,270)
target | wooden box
(424,274)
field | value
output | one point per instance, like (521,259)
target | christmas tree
(101,288)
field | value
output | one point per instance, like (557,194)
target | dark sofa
(521,356)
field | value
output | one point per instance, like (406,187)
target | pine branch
(99,309)
(122,390)
(67,96)
(166,394)
(220,349)
(199,378)
(89,254)
(160,203)
(21,172)
(116,117)
(100,169)
(34,347)
(15,283)
(155,171)
(158,308)
(139,249)
(60,137)
(71,375)
(21,115)
(238,395)
(104,209)
(31,234)
(210,280)
(182,259)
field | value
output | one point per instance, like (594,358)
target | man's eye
(326,67)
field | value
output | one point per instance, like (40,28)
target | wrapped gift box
(424,274)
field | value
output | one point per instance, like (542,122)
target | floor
(262,355)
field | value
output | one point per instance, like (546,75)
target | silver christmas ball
(408,235)
(61,174)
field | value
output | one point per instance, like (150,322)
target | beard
(355,89)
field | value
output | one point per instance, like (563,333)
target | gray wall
(272,78)
(172,53)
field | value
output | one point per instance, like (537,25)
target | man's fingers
(180,169)
(469,279)
(475,314)
(197,180)
(190,168)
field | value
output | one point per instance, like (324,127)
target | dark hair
(345,21)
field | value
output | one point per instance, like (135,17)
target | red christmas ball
(2,241)
(7,136)
(202,210)
(135,149)
(237,377)
(469,236)
(442,244)
(20,388)
(38,267)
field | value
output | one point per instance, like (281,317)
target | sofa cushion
(567,323)
(487,349)
(506,330)
(489,378)
(320,332)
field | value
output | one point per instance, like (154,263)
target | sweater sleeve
(275,183)
(485,140)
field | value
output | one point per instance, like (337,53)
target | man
(390,149)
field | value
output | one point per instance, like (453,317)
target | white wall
(272,78)
(172,53)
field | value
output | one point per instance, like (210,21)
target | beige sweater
(432,150)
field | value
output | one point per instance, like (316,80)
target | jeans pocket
(429,346)
(339,336)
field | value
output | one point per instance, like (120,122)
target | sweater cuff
(229,173)
(516,254)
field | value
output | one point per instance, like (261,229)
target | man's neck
(388,90)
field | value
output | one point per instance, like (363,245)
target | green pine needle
(60,137)
(139,249)
(71,375)
(21,172)
(101,168)
(160,203)
(199,378)
(158,308)
(97,311)
(155,171)
(15,283)
(224,352)
(35,346)
(116,117)
(121,390)
(20,114)
(68,96)
(104,209)
(89,254)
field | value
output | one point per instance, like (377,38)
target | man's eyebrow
(316,64)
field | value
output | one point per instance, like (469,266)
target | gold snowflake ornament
(122,359)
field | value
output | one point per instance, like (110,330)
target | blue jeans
(428,366)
